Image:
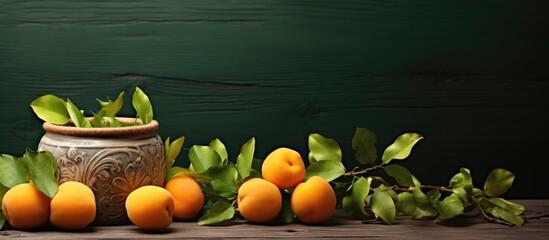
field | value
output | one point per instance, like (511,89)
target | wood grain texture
(339,227)
(470,76)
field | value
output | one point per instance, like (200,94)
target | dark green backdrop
(471,76)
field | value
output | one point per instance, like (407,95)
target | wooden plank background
(471,76)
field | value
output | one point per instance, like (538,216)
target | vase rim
(146,129)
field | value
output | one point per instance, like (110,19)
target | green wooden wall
(471,76)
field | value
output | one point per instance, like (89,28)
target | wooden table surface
(469,226)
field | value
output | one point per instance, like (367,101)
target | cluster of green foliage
(372,197)
(54,110)
(36,167)
(362,195)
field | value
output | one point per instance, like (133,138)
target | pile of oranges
(152,207)
(260,200)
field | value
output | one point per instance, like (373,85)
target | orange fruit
(73,206)
(313,201)
(284,168)
(24,207)
(150,207)
(259,201)
(187,195)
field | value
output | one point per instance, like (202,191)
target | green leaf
(416,181)
(462,194)
(322,148)
(475,192)
(401,148)
(400,174)
(341,189)
(256,164)
(450,207)
(176,171)
(112,122)
(405,203)
(462,180)
(223,180)
(433,196)
(224,189)
(383,206)
(142,106)
(354,203)
(422,213)
(203,157)
(485,204)
(77,116)
(364,142)
(378,181)
(329,170)
(424,206)
(112,108)
(285,216)
(391,193)
(101,119)
(51,109)
(166,146)
(3,190)
(245,159)
(172,150)
(219,147)
(98,120)
(42,166)
(220,212)
(514,208)
(498,182)
(255,172)
(367,200)
(507,216)
(13,171)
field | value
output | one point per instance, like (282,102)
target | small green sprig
(172,150)
(55,110)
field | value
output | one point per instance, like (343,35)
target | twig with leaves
(361,195)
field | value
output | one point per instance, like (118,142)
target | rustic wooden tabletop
(468,226)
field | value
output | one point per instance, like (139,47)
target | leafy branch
(407,195)
(488,217)
(423,187)
(358,172)
(361,195)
